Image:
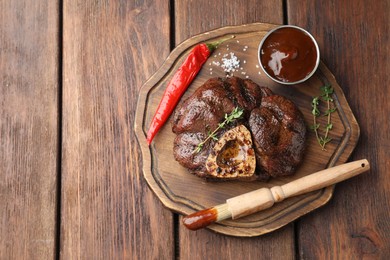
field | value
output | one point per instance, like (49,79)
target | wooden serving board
(182,192)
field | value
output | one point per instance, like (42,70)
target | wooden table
(71,184)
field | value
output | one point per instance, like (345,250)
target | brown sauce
(288,55)
(200,219)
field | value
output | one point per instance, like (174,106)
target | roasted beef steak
(279,133)
(276,124)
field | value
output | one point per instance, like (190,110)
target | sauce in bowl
(289,55)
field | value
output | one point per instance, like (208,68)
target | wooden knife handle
(260,199)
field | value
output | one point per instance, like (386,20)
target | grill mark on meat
(265,92)
(244,93)
(236,87)
(230,93)
(251,100)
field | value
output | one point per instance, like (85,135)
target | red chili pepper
(179,83)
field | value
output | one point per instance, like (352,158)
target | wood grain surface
(108,212)
(28,128)
(354,40)
(191,18)
(83,62)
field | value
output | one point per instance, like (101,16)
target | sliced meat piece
(279,133)
(203,110)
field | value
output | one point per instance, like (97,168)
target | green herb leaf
(315,126)
(326,92)
(327,98)
(325,140)
(198,148)
(328,111)
(238,114)
(235,114)
(314,102)
(315,112)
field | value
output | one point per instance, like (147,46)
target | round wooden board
(184,193)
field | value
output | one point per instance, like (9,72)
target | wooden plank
(354,40)
(194,17)
(28,128)
(204,244)
(107,209)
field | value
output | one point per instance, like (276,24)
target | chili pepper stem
(213,45)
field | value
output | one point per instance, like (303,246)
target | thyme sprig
(326,96)
(229,118)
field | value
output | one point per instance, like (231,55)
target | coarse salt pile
(230,64)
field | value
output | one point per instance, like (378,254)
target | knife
(264,198)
